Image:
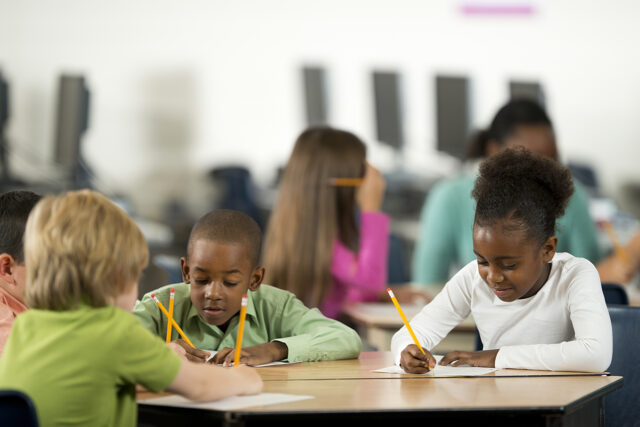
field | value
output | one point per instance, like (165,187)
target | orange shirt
(10,307)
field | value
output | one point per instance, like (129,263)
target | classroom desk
(377,322)
(361,368)
(345,392)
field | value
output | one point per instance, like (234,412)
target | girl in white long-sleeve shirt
(535,309)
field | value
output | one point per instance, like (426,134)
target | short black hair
(527,188)
(15,207)
(515,113)
(228,226)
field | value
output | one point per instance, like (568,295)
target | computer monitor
(315,95)
(72,122)
(528,90)
(388,114)
(453,115)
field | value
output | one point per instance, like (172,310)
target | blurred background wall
(179,87)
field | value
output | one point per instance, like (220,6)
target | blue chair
(622,408)
(479,344)
(614,294)
(237,191)
(17,409)
(397,268)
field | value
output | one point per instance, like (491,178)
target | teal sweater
(445,242)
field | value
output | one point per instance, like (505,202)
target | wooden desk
(345,392)
(377,322)
(362,368)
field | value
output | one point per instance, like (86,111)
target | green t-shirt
(80,367)
(445,242)
(272,315)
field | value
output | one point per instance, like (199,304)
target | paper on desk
(228,404)
(213,353)
(443,371)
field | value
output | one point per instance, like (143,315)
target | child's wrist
(280,350)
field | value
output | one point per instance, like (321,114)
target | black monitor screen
(386,91)
(453,121)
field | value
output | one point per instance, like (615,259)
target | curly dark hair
(531,190)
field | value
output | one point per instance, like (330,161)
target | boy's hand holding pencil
(185,351)
(255,355)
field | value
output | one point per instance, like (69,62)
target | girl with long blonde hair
(315,245)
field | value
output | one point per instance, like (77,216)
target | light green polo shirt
(445,241)
(272,315)
(80,367)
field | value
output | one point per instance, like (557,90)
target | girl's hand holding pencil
(416,361)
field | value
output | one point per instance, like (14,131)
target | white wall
(181,86)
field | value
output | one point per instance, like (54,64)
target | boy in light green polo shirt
(222,265)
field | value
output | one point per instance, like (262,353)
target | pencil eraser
(388,289)
(173,290)
(153,295)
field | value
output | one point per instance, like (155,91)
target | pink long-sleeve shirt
(359,277)
(10,307)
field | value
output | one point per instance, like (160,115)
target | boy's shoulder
(270,292)
(270,299)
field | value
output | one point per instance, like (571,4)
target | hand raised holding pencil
(370,194)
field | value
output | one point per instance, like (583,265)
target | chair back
(614,294)
(397,268)
(237,191)
(17,409)
(622,407)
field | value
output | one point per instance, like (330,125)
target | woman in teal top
(445,240)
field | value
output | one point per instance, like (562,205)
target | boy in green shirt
(78,352)
(222,264)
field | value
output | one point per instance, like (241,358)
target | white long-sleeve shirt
(563,327)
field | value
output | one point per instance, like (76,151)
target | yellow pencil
(171,298)
(243,315)
(173,322)
(405,321)
(620,251)
(346,182)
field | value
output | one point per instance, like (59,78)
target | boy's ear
(549,248)
(256,278)
(184,266)
(7,265)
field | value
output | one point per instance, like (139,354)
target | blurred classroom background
(173,108)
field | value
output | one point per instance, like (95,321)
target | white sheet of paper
(279,362)
(443,371)
(228,404)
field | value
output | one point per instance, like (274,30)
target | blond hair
(80,247)
(310,214)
